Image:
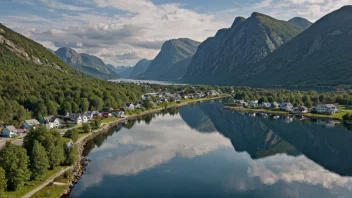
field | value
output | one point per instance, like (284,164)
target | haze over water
(206,151)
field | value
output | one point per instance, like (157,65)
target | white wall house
(9,131)
(253,103)
(51,122)
(130,106)
(326,108)
(28,124)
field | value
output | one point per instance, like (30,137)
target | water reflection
(206,151)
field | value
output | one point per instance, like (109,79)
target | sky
(122,32)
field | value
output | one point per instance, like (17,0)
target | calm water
(206,151)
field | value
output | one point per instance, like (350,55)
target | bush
(86,127)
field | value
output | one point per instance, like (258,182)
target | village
(74,120)
(326,109)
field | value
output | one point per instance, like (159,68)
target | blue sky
(121,32)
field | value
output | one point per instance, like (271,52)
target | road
(47,182)
(14,141)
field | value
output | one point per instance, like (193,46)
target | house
(90,114)
(9,131)
(265,105)
(28,124)
(212,93)
(130,106)
(275,105)
(326,108)
(120,114)
(286,106)
(252,103)
(77,118)
(106,114)
(303,109)
(137,105)
(51,122)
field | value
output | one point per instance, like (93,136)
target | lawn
(31,185)
(110,119)
(53,191)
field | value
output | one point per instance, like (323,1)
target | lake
(206,151)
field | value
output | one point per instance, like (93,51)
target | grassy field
(337,116)
(30,185)
(52,190)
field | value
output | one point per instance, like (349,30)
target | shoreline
(78,168)
(314,116)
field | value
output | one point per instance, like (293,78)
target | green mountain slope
(321,55)
(172,52)
(301,22)
(34,83)
(227,55)
(140,68)
(88,64)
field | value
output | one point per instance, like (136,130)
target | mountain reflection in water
(206,151)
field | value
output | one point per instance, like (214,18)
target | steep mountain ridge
(86,63)
(171,53)
(321,55)
(232,50)
(140,68)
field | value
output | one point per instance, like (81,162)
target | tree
(14,161)
(39,162)
(55,155)
(86,127)
(71,154)
(66,107)
(148,104)
(3,180)
(52,107)
(72,134)
(84,104)
(96,123)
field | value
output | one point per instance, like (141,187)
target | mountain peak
(301,22)
(238,20)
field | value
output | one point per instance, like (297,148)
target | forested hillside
(34,82)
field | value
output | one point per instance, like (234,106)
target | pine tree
(39,161)
(14,161)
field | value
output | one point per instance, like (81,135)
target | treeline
(42,150)
(297,98)
(29,90)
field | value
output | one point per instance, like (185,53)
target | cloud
(148,148)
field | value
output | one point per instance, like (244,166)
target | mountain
(88,64)
(171,57)
(301,22)
(35,83)
(227,55)
(140,68)
(321,55)
(125,71)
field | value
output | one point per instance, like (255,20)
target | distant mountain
(88,64)
(321,55)
(227,55)
(140,68)
(170,58)
(301,22)
(125,71)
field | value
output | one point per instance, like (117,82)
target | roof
(11,128)
(32,122)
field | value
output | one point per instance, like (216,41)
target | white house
(275,105)
(51,122)
(130,106)
(78,118)
(326,108)
(265,105)
(253,103)
(286,106)
(9,131)
(28,124)
(120,114)
(90,114)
